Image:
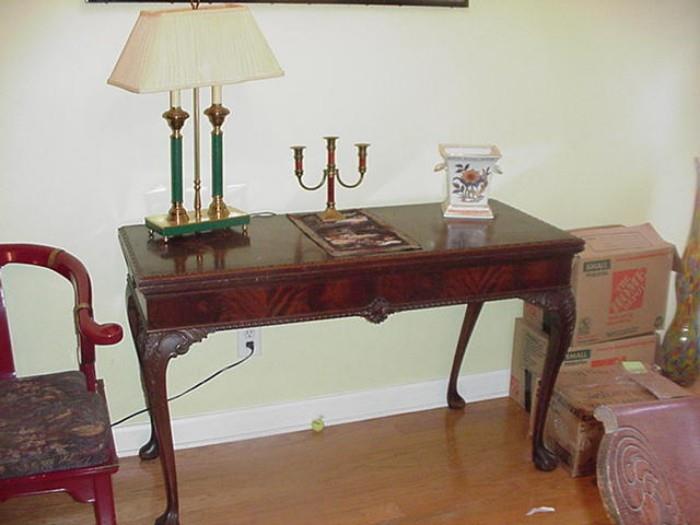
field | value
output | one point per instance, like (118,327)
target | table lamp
(176,49)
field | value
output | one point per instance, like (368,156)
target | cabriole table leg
(150,449)
(155,351)
(561,312)
(454,400)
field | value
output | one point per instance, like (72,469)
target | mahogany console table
(181,291)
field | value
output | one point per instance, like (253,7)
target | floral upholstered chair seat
(49,423)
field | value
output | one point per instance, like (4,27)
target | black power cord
(190,389)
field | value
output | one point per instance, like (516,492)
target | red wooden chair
(55,432)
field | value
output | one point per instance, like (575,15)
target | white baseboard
(248,423)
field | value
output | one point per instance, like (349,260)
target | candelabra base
(162,225)
(330,215)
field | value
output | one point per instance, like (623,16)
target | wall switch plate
(249,339)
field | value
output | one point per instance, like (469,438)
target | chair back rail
(88,331)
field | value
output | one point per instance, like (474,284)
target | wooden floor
(436,467)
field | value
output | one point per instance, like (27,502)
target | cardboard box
(520,389)
(639,348)
(621,282)
(530,350)
(572,432)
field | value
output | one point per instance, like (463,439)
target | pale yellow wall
(595,105)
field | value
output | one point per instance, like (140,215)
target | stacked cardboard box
(620,282)
(530,349)
(572,432)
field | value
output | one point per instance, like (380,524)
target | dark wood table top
(276,246)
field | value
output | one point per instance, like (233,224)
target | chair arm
(89,330)
(99,334)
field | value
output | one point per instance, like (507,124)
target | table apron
(373,295)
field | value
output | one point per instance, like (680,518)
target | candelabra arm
(299,169)
(350,186)
(312,188)
(362,166)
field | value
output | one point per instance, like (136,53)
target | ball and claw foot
(544,459)
(455,401)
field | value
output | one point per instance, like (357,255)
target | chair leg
(104,501)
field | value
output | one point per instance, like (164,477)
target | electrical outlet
(249,340)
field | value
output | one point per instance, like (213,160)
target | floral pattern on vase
(679,350)
(469,183)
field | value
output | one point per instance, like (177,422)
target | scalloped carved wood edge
(632,482)
(172,343)
(561,303)
(377,311)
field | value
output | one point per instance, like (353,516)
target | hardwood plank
(436,467)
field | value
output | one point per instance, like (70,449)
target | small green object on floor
(317,425)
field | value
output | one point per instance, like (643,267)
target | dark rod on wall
(429,3)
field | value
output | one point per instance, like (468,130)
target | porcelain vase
(469,170)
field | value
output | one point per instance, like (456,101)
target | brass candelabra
(330,175)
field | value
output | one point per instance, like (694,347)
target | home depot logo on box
(628,290)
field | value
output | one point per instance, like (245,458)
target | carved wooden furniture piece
(649,462)
(178,293)
(55,432)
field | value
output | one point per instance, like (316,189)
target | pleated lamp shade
(174,49)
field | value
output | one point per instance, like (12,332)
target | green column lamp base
(165,227)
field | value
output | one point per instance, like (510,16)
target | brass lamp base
(163,225)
